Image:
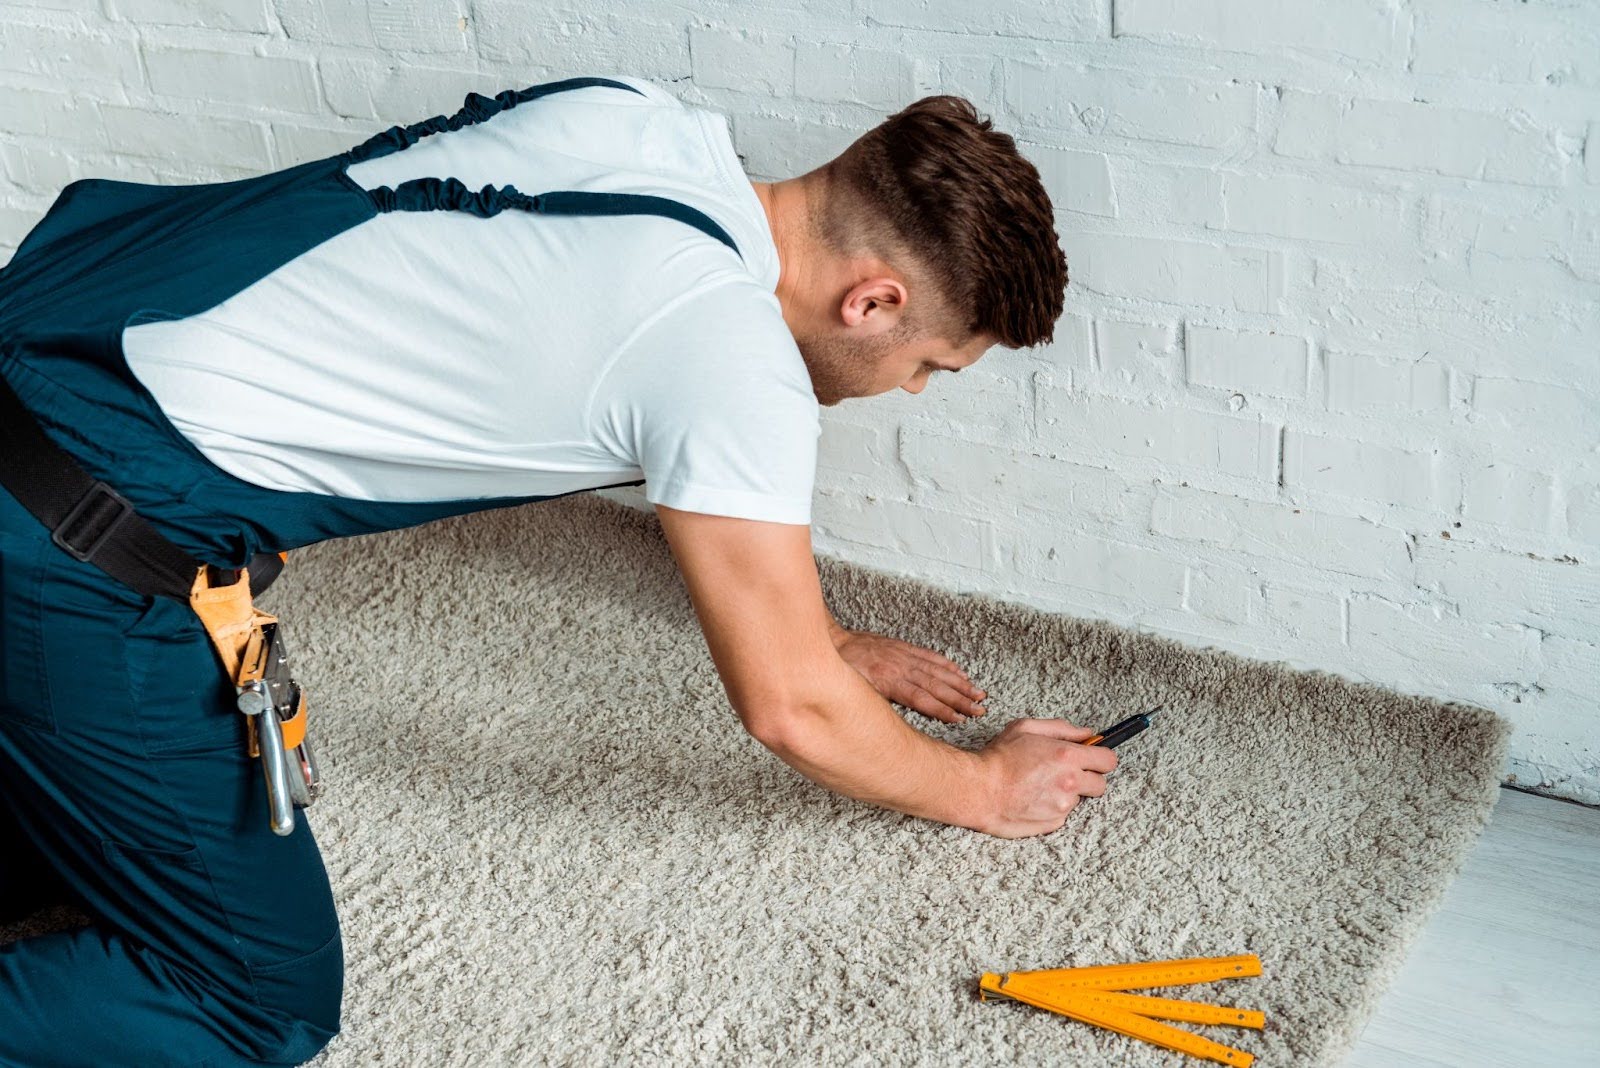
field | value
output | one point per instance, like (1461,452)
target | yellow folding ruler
(1090,995)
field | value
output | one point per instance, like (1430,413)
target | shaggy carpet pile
(552,842)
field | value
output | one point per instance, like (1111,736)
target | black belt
(94,522)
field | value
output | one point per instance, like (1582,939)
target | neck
(787,206)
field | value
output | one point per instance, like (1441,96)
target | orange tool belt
(236,625)
(251,647)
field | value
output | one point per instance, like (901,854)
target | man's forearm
(853,742)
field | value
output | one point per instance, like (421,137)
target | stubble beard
(839,370)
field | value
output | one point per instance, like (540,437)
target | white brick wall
(1327,389)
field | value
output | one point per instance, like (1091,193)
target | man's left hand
(915,677)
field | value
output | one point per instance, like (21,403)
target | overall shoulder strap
(450,194)
(475,109)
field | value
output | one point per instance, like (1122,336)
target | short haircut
(935,182)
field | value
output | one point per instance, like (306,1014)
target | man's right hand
(1039,768)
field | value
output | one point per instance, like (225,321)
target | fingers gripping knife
(250,643)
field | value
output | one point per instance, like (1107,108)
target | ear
(876,303)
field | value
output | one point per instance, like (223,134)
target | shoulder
(721,345)
(729,313)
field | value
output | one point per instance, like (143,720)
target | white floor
(1508,970)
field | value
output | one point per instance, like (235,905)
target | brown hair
(937,184)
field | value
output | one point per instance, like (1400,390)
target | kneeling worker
(555,289)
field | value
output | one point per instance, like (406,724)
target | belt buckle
(95,494)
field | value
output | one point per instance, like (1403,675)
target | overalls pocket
(184,700)
(24,686)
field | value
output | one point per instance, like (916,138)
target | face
(842,368)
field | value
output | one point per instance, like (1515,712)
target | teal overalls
(125,783)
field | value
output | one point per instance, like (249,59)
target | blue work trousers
(126,788)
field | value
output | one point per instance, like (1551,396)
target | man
(364,343)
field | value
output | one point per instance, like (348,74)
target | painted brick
(990,396)
(860,459)
(1489,41)
(249,16)
(1145,107)
(1548,243)
(183,172)
(1570,666)
(847,448)
(1138,354)
(406,94)
(70,56)
(844,73)
(1510,496)
(64,119)
(1074,181)
(1308,123)
(522,35)
(1553,411)
(1219,592)
(1379,385)
(1071,20)
(1215,635)
(1311,209)
(283,82)
(752,63)
(38,169)
(1366,470)
(1582,256)
(433,27)
(1446,649)
(917,530)
(1072,347)
(191,138)
(1409,135)
(1495,585)
(1316,540)
(1369,31)
(1305,615)
(778,10)
(1246,360)
(15,224)
(1239,446)
(1136,574)
(996,477)
(293,144)
(974,77)
(1170,194)
(1176,272)
(35,167)
(784,148)
(1501,335)
(347,83)
(1583,513)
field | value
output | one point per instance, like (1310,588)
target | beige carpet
(552,843)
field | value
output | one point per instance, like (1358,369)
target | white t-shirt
(424,356)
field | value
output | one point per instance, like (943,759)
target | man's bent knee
(303,998)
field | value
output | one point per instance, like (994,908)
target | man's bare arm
(758,597)
(851,740)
